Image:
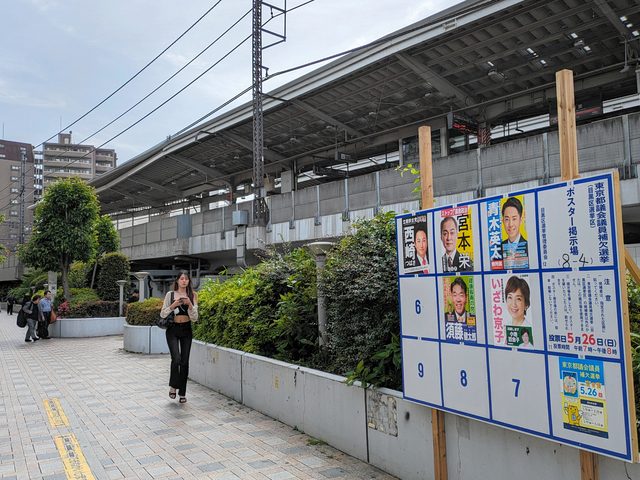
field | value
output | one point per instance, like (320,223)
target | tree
(64,229)
(108,241)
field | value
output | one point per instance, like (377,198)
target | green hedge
(360,286)
(268,310)
(91,309)
(144,313)
(113,267)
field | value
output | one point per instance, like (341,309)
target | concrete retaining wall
(380,427)
(144,339)
(86,327)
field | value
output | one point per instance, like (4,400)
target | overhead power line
(167,80)
(138,73)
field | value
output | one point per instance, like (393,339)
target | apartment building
(17,219)
(64,159)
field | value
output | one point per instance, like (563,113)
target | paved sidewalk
(115,420)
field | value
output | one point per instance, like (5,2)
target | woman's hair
(189,286)
(517,283)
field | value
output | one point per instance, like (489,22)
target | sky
(61,58)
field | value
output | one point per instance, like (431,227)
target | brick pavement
(118,409)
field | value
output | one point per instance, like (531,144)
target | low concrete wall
(380,427)
(218,368)
(144,339)
(86,327)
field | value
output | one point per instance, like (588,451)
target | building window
(1,145)
(14,190)
(14,235)
(66,141)
(14,201)
(14,213)
(14,179)
(15,167)
(2,155)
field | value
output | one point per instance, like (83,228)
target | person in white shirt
(524,334)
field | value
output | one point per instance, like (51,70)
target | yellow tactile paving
(75,465)
(56,415)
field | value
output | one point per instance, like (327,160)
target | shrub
(91,309)
(113,267)
(360,286)
(267,310)
(78,295)
(144,313)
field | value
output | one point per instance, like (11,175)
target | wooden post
(567,125)
(569,168)
(426,167)
(426,189)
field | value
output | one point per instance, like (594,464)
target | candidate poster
(460,309)
(456,236)
(512,311)
(415,245)
(507,233)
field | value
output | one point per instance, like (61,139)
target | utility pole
(260,209)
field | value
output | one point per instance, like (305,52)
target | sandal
(172,395)
(183,399)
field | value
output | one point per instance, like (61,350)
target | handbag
(168,321)
(53,317)
(21,321)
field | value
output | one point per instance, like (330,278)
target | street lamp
(121,284)
(319,251)
(141,276)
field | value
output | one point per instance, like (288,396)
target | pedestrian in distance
(10,302)
(34,315)
(45,305)
(180,335)
(134,297)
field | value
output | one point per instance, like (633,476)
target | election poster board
(518,320)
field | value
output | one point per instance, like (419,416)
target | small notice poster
(584,407)
(414,244)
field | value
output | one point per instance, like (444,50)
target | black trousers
(179,338)
(9,309)
(43,326)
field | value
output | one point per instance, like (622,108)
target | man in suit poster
(515,248)
(415,244)
(460,311)
(457,240)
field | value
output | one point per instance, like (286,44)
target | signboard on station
(515,318)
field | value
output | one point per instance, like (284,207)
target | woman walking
(183,301)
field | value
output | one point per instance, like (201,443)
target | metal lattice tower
(260,210)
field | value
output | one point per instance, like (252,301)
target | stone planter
(144,339)
(86,327)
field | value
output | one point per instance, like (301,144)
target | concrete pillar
(319,251)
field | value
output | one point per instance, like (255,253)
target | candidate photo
(515,248)
(453,260)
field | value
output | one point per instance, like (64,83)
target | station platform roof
(493,61)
